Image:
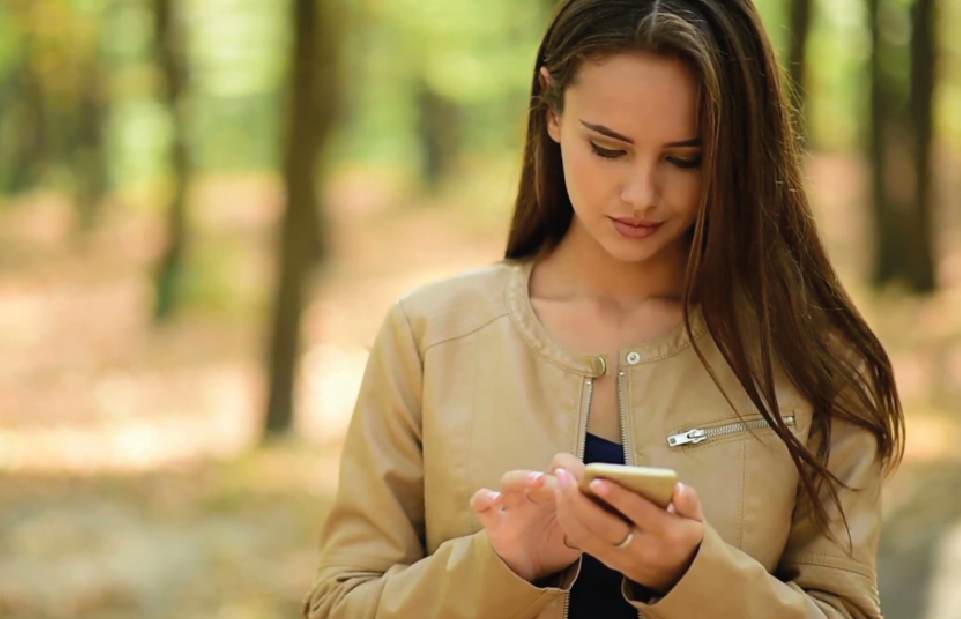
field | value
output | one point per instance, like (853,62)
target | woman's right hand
(521,520)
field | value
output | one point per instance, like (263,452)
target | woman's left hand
(662,544)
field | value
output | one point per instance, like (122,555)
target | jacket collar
(541,341)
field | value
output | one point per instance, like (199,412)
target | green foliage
(948,94)
(11,40)
(477,54)
(139,135)
(838,56)
(238,48)
(469,51)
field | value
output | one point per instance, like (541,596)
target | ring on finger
(627,540)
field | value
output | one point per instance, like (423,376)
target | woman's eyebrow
(607,131)
(692,143)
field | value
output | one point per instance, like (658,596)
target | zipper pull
(691,437)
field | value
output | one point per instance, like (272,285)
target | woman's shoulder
(461,304)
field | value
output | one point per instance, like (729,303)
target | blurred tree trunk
(90,157)
(169,50)
(887,256)
(900,150)
(920,268)
(800,30)
(30,143)
(312,105)
(438,131)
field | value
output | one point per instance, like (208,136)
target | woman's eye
(606,153)
(685,164)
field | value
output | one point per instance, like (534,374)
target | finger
(545,492)
(686,504)
(516,486)
(485,500)
(576,533)
(644,514)
(569,463)
(491,519)
(596,518)
(520,480)
(486,504)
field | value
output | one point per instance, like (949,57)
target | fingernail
(494,496)
(681,489)
(535,477)
(599,487)
(564,477)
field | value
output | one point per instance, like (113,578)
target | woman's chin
(634,251)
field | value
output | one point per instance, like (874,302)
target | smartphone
(656,485)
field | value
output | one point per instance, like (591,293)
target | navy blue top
(597,590)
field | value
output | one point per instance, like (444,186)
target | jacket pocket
(709,433)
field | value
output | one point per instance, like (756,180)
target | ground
(127,484)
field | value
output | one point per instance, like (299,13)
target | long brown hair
(756,266)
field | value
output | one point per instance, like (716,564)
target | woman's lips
(635,228)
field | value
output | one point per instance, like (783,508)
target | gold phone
(655,485)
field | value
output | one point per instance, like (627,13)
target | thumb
(686,504)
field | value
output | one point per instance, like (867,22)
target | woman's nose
(640,191)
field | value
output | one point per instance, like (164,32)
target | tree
(169,41)
(27,107)
(312,105)
(920,268)
(900,149)
(90,149)
(54,98)
(438,132)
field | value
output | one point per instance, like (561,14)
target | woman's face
(632,153)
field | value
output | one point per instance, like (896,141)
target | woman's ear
(546,79)
(553,122)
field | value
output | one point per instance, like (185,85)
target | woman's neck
(580,267)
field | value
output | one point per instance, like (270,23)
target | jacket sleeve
(817,577)
(373,561)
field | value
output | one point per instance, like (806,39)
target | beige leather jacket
(463,384)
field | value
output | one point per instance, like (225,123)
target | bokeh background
(206,206)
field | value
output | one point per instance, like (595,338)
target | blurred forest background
(207,205)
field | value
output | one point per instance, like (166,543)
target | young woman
(665,301)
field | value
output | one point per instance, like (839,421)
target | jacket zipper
(695,436)
(622,415)
(622,418)
(581,441)
(582,431)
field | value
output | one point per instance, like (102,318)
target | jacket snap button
(633,357)
(598,366)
